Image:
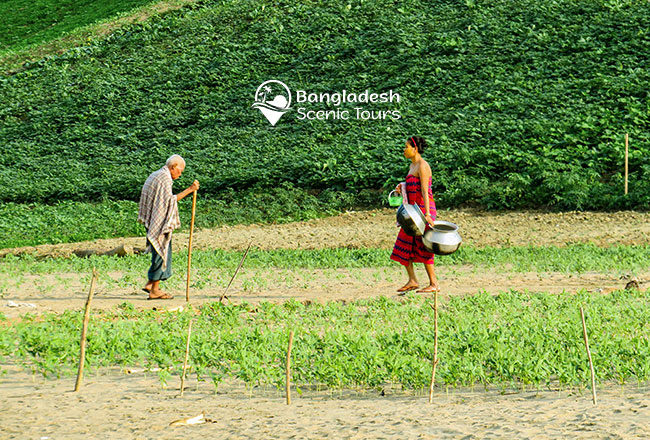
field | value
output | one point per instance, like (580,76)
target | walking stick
(223,295)
(189,250)
(84,329)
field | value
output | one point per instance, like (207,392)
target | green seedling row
(575,258)
(509,339)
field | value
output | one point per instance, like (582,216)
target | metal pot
(411,219)
(443,239)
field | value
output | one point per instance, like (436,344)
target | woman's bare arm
(425,175)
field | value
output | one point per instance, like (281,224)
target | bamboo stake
(187,355)
(84,329)
(288,381)
(236,271)
(626,160)
(435,344)
(189,250)
(591,364)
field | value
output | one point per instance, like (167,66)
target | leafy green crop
(524,103)
(510,338)
(577,258)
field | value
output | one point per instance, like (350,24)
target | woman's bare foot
(430,289)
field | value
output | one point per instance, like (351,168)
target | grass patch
(72,221)
(577,258)
(25,22)
(34,30)
(511,338)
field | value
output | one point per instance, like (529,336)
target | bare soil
(119,405)
(377,229)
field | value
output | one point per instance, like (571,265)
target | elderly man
(158,211)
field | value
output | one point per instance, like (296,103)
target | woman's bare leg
(412,283)
(433,281)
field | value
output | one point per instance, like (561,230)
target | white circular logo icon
(273,99)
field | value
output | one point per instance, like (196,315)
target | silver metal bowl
(411,219)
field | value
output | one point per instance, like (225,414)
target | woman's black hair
(418,143)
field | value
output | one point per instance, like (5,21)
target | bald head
(175,159)
(176,165)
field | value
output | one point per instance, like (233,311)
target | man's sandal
(163,296)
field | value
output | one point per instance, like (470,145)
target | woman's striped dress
(410,249)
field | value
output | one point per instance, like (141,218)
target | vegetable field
(526,106)
(510,339)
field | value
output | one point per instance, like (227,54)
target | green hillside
(524,103)
(24,23)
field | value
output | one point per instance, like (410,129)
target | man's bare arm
(189,190)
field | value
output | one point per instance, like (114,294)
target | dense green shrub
(525,103)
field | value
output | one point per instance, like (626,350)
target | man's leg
(157,274)
(168,270)
(149,286)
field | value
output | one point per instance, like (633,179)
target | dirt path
(376,229)
(60,292)
(115,405)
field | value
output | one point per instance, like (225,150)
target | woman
(409,249)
